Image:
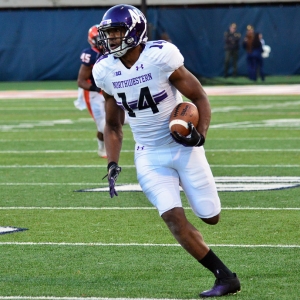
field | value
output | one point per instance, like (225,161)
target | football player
(145,80)
(89,95)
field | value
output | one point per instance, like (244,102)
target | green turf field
(86,245)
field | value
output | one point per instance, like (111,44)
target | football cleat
(222,287)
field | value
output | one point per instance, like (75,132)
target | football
(182,114)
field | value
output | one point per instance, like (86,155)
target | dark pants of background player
(231,55)
(255,65)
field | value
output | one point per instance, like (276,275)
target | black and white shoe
(222,287)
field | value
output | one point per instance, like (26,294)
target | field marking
(10,229)
(265,124)
(256,107)
(279,123)
(55,130)
(221,187)
(131,151)
(131,208)
(39,94)
(53,183)
(140,245)
(57,151)
(223,184)
(37,108)
(76,298)
(128,139)
(88,130)
(283,89)
(224,109)
(254,166)
(133,166)
(219,179)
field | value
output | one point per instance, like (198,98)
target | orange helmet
(93,36)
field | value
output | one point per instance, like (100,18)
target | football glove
(195,139)
(113,172)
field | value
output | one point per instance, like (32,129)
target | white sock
(100,144)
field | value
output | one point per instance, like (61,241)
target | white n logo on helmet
(135,16)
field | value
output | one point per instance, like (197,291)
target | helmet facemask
(124,42)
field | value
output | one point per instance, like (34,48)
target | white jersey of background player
(144,79)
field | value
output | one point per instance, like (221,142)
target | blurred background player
(257,50)
(232,46)
(247,45)
(89,95)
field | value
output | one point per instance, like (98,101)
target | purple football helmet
(128,17)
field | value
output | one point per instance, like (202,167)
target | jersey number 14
(145,101)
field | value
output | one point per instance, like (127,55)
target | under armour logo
(141,66)
(140,148)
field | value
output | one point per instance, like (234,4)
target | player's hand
(113,172)
(195,139)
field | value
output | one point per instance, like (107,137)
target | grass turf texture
(43,163)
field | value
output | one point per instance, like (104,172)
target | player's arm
(189,86)
(113,134)
(84,74)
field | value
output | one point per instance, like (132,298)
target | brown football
(182,114)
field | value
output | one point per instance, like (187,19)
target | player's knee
(174,219)
(212,221)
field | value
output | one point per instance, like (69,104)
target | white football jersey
(144,91)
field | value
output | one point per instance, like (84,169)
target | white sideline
(284,89)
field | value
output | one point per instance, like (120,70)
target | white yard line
(133,208)
(131,151)
(284,89)
(76,298)
(127,139)
(140,245)
(132,166)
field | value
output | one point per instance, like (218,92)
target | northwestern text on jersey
(132,81)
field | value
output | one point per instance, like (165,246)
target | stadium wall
(45,44)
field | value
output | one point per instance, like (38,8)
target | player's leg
(192,241)
(198,183)
(235,54)
(226,63)
(80,101)
(98,110)
(159,182)
(185,233)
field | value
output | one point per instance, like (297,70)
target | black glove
(196,139)
(113,172)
